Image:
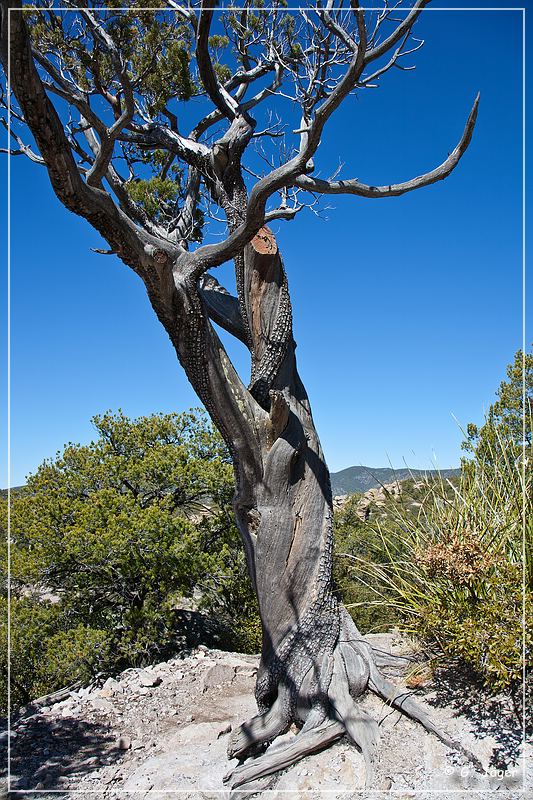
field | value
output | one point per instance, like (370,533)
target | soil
(164,730)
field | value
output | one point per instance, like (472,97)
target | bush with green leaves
(47,653)
(355,538)
(458,572)
(105,540)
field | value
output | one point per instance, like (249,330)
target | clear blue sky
(406,310)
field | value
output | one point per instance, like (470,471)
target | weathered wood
(305,743)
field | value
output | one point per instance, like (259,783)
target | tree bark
(314,662)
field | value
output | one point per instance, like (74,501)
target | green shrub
(453,575)
(116,533)
(354,537)
(458,572)
(46,654)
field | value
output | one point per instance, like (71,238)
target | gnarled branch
(217,93)
(392,190)
(222,307)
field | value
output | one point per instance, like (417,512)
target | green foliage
(154,63)
(353,537)
(47,654)
(115,533)
(453,570)
(508,420)
(154,47)
(154,194)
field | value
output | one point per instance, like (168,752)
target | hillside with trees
(360,479)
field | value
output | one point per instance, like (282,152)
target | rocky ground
(378,498)
(164,730)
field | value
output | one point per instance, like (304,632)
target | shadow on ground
(498,716)
(52,753)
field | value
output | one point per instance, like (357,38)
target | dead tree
(101,93)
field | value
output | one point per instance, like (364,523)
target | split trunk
(314,662)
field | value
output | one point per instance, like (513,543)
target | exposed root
(323,701)
(253,787)
(260,729)
(404,702)
(278,758)
(384,659)
(360,727)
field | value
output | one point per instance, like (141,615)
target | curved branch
(23,149)
(215,115)
(283,212)
(397,34)
(158,137)
(220,97)
(393,190)
(222,307)
(312,129)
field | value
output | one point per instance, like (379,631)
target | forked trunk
(314,662)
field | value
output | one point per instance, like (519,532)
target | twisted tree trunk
(314,662)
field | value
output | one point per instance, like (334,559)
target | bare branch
(312,129)
(404,28)
(23,149)
(393,62)
(185,224)
(109,136)
(283,212)
(222,307)
(187,14)
(158,137)
(437,174)
(219,96)
(67,91)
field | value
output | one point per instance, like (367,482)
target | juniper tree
(103,93)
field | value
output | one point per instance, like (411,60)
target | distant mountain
(14,490)
(351,479)
(361,479)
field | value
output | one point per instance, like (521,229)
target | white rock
(147,679)
(101,704)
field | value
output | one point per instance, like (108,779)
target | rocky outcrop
(166,728)
(376,497)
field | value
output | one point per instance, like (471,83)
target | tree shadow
(56,753)
(197,628)
(499,716)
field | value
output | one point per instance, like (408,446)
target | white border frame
(226,8)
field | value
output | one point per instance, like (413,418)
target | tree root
(403,701)
(360,727)
(260,729)
(326,709)
(276,759)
